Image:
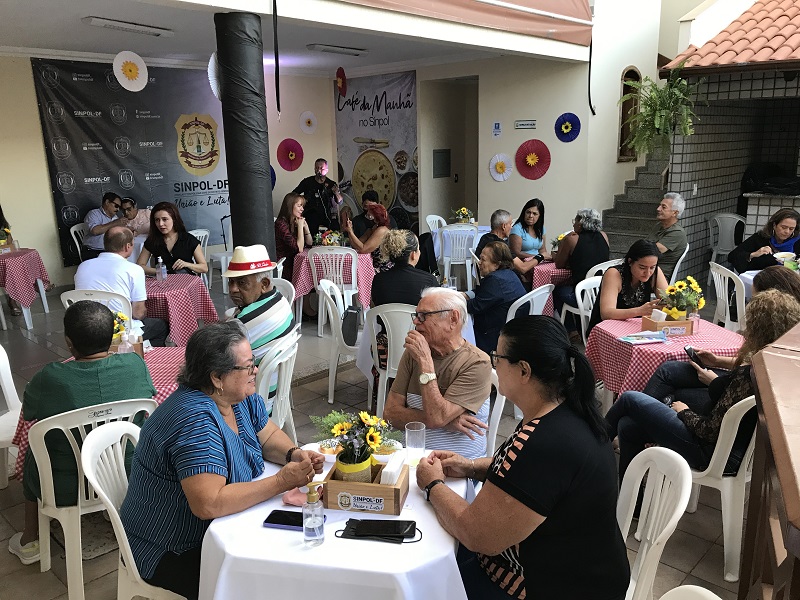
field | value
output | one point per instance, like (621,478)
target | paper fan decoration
(130,71)
(213,76)
(501,167)
(341,81)
(308,122)
(273,177)
(533,159)
(290,154)
(568,126)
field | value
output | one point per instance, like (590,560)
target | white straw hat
(247,260)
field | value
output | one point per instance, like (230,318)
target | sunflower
(130,70)
(292,155)
(341,428)
(691,279)
(701,303)
(500,167)
(566,127)
(365,418)
(671,290)
(680,286)
(373,438)
(531,159)
(695,287)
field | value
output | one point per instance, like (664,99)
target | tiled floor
(693,554)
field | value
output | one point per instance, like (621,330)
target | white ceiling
(54,27)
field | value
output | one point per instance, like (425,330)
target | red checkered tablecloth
(163,364)
(624,367)
(182,299)
(549,273)
(18,274)
(304,284)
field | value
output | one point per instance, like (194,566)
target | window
(624,153)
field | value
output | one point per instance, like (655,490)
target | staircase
(634,212)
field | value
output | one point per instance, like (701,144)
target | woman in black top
(625,290)
(582,249)
(778,235)
(168,239)
(544,523)
(403,282)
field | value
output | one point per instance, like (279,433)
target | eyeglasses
(116,206)
(493,356)
(421,316)
(251,368)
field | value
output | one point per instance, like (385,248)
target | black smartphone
(693,356)
(394,529)
(284,519)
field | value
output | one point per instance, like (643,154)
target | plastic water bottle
(161,270)
(125,346)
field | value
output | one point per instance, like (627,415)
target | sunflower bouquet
(462,214)
(359,435)
(683,297)
(328,238)
(119,324)
(4,233)
(554,244)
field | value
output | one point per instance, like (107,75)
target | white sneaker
(27,554)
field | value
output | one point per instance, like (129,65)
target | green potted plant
(660,111)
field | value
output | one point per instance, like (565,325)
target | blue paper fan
(272,176)
(568,126)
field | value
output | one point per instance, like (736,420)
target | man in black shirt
(322,198)
(362,222)
(501,223)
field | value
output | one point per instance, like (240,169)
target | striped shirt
(455,441)
(267,319)
(186,436)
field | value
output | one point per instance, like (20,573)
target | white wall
(671,13)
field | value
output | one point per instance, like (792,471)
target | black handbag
(350,320)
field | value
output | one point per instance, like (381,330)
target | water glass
(15,245)
(415,442)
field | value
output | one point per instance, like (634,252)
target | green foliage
(658,112)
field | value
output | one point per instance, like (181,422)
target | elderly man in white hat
(260,306)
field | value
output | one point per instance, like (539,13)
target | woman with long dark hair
(168,239)
(544,522)
(780,234)
(370,242)
(626,289)
(527,238)
(292,234)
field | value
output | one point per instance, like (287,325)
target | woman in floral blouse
(692,431)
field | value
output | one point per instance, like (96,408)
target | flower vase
(360,472)
(680,315)
(464,221)
(694,317)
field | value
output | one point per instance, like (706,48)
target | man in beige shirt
(442,380)
(138,218)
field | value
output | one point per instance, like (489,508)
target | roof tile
(768,31)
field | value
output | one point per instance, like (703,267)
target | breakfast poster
(164,143)
(376,137)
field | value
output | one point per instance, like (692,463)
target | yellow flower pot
(361,472)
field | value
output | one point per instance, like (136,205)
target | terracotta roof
(766,36)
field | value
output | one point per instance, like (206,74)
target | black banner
(164,143)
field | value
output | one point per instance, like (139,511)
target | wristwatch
(425,378)
(427,489)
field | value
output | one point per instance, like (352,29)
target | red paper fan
(290,154)
(341,81)
(532,159)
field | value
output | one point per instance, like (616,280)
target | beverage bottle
(125,346)
(313,516)
(161,270)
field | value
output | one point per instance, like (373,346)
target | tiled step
(619,242)
(652,166)
(645,179)
(640,193)
(628,224)
(633,209)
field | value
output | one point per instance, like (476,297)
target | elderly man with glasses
(98,221)
(138,218)
(442,380)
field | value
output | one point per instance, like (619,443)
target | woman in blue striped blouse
(199,455)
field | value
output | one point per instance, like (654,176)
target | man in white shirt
(112,272)
(98,221)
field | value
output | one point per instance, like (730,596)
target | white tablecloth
(482,229)
(243,559)
(138,244)
(364,357)
(747,280)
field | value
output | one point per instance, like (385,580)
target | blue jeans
(679,378)
(639,419)
(565,294)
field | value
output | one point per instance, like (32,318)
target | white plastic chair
(535,300)
(690,592)
(731,487)
(202,236)
(78,232)
(586,293)
(331,296)
(278,272)
(112,300)
(397,322)
(726,229)
(601,268)
(103,463)
(72,424)
(280,359)
(666,496)
(678,264)
(435,222)
(285,288)
(722,278)
(474,272)
(456,251)
(9,420)
(494,418)
(331,261)
(223,258)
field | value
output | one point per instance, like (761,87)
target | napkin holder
(373,497)
(671,328)
(138,346)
